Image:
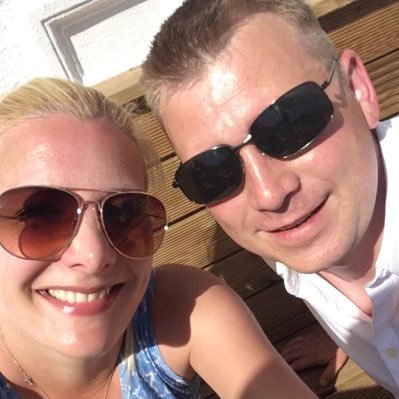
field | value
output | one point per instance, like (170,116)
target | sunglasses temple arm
(327,82)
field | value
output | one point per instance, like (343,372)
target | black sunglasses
(39,222)
(285,127)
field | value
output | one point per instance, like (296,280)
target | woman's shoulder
(187,297)
(185,287)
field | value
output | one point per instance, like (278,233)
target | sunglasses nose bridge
(84,205)
(247,140)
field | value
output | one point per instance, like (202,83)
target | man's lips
(303,219)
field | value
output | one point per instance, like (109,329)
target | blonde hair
(44,96)
(199,30)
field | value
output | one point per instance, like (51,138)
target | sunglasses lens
(293,121)
(210,176)
(134,223)
(37,223)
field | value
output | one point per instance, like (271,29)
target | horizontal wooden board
(196,241)
(353,383)
(123,87)
(384,73)
(279,313)
(246,273)
(367,35)
(325,7)
(149,125)
(177,205)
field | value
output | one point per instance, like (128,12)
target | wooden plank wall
(371,27)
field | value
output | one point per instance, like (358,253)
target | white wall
(88,41)
(84,40)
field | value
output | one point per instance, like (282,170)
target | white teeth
(78,297)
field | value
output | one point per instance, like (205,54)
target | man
(281,142)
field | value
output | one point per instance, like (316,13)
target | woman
(82,312)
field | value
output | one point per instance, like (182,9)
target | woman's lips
(77,297)
(76,302)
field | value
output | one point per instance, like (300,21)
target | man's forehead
(210,98)
(240,83)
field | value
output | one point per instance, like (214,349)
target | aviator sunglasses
(40,222)
(284,128)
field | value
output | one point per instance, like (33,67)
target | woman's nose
(90,249)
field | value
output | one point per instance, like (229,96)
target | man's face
(309,211)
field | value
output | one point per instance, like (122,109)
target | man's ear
(361,86)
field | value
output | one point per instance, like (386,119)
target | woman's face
(37,297)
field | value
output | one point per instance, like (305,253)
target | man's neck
(359,267)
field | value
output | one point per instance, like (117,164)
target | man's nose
(268,181)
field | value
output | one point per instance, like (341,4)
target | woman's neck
(37,371)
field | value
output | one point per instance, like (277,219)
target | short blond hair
(199,30)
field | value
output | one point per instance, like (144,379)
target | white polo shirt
(372,342)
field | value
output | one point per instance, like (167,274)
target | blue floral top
(151,378)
